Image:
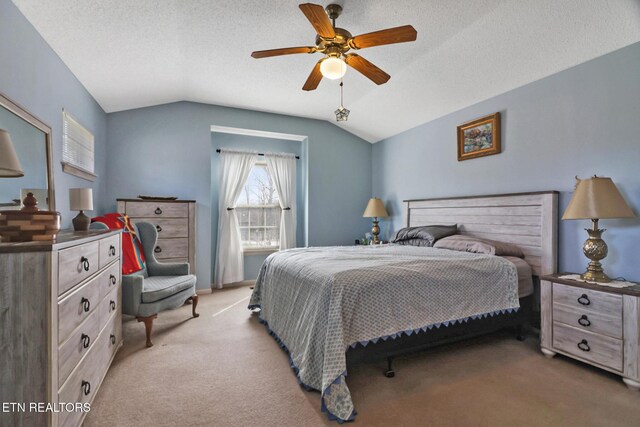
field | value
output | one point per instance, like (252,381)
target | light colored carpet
(223,369)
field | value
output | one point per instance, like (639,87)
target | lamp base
(595,249)
(81,222)
(375,230)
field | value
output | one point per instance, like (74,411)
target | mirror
(32,142)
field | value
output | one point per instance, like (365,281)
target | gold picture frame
(479,138)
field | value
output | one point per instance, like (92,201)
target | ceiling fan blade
(402,34)
(314,78)
(369,70)
(319,19)
(282,51)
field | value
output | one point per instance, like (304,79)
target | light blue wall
(167,150)
(582,121)
(32,75)
(253,262)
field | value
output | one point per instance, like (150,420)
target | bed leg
(389,373)
(520,335)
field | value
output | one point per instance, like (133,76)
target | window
(259,211)
(77,148)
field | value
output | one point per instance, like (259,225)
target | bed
(324,305)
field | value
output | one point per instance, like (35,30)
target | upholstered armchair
(158,287)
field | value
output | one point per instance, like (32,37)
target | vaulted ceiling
(132,54)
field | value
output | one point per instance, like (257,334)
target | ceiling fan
(335,42)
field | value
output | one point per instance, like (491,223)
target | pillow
(414,242)
(132,255)
(481,246)
(423,236)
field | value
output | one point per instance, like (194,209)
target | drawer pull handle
(157,250)
(112,279)
(85,263)
(113,305)
(112,250)
(584,299)
(86,340)
(584,345)
(584,320)
(158,228)
(113,339)
(158,211)
(86,387)
(86,304)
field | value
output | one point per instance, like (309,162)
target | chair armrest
(168,269)
(132,285)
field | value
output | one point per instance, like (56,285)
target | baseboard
(244,283)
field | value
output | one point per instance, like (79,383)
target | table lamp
(375,209)
(9,163)
(596,198)
(81,199)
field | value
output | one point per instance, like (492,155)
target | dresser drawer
(76,264)
(588,320)
(171,248)
(157,210)
(78,344)
(110,338)
(109,306)
(110,279)
(592,347)
(83,382)
(168,227)
(109,250)
(588,300)
(76,307)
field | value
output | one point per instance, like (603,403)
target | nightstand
(596,324)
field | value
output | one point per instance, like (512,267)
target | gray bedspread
(319,301)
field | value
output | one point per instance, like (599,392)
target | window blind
(77,144)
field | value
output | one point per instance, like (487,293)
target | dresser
(60,325)
(598,325)
(175,221)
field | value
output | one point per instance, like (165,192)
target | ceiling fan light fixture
(333,68)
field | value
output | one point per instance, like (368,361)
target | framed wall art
(479,138)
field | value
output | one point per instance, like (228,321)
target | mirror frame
(43,127)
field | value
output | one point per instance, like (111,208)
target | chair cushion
(155,288)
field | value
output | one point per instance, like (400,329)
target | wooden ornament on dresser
(61,323)
(29,223)
(175,221)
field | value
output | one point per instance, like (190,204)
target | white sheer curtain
(235,167)
(282,168)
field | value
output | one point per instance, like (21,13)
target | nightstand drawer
(592,347)
(588,300)
(588,320)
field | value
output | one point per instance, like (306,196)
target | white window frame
(78,148)
(259,249)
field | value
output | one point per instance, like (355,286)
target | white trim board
(258,133)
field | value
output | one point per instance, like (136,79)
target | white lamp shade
(333,68)
(9,164)
(597,198)
(375,209)
(81,199)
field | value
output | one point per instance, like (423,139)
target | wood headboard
(528,220)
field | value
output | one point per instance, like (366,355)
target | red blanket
(132,255)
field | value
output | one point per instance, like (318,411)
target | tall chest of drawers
(60,325)
(596,324)
(175,221)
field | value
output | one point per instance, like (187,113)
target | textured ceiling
(132,54)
